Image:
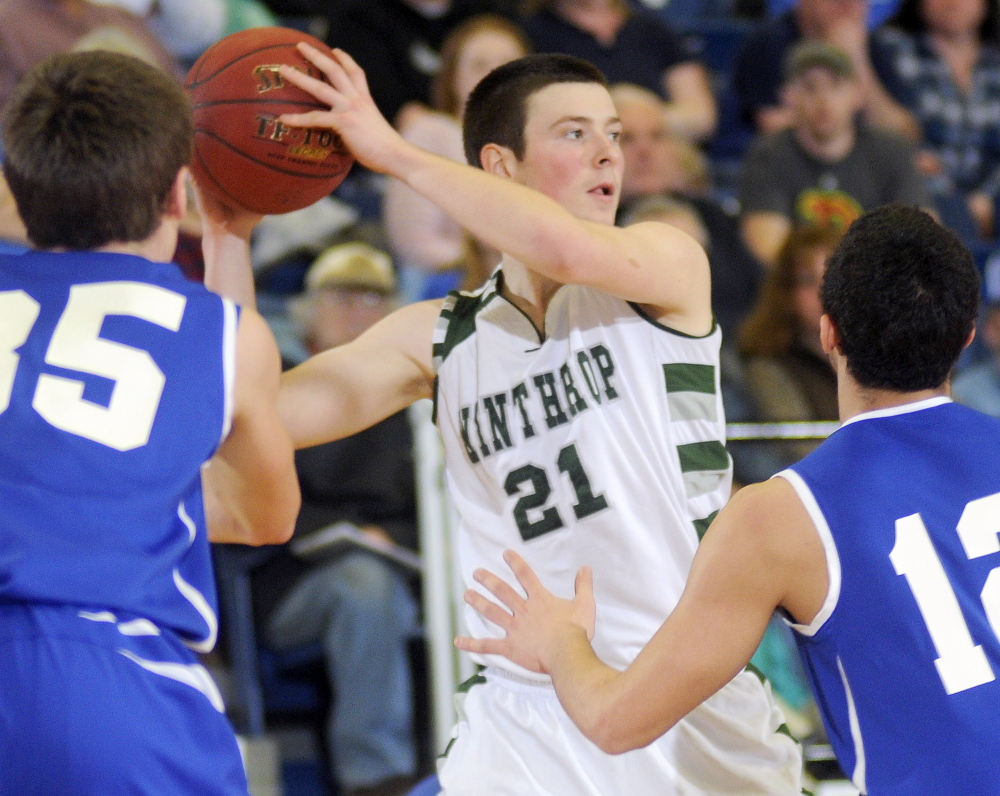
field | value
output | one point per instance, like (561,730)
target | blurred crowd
(762,128)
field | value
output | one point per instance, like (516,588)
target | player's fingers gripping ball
(243,154)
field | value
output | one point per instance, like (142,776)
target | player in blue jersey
(137,423)
(881,548)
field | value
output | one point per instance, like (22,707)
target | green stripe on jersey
(691,391)
(696,456)
(457,321)
(687,377)
(701,526)
(703,466)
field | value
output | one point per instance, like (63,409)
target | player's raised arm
(568,235)
(761,553)
(251,490)
(225,244)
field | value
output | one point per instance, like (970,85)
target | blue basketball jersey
(904,655)
(115,387)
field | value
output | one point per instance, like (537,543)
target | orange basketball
(242,153)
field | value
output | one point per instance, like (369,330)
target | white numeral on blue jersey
(76,345)
(19,311)
(961,663)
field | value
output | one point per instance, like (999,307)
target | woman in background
(435,254)
(789,376)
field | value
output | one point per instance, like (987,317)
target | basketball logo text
(269,78)
(308,143)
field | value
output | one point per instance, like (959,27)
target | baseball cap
(810,54)
(352,265)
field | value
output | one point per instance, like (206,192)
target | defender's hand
(535,625)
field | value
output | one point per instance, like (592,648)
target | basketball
(242,154)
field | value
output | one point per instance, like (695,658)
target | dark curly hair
(903,293)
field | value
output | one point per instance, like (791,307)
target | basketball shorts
(514,738)
(93,704)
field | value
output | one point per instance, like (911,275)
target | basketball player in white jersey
(880,546)
(577,393)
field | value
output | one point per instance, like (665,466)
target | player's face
(824,103)
(651,160)
(572,153)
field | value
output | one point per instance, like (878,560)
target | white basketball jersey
(600,442)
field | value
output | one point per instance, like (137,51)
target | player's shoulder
(673,240)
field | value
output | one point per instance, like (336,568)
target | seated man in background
(827,168)
(757,74)
(356,603)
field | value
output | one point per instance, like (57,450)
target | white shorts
(513,738)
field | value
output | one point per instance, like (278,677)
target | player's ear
(497,160)
(828,335)
(177,200)
(972,336)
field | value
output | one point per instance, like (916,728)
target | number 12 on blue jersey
(961,664)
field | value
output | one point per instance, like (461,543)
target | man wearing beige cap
(349,287)
(357,604)
(828,167)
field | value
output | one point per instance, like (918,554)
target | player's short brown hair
(497,109)
(92,143)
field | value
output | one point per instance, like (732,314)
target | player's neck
(528,291)
(158,247)
(853,399)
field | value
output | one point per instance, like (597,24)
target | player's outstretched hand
(352,112)
(535,625)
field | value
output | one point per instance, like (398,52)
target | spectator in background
(398,43)
(657,165)
(629,46)
(186,27)
(665,179)
(357,604)
(978,385)
(789,376)
(32,30)
(433,251)
(757,70)
(940,58)
(827,168)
